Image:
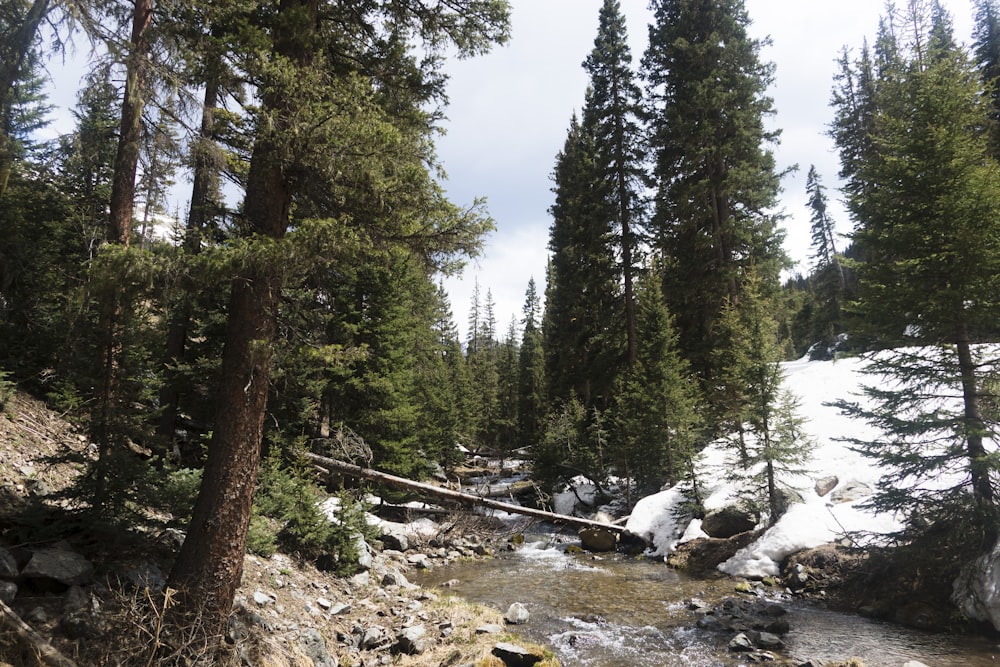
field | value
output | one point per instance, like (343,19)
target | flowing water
(611,611)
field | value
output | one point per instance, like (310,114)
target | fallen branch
(44,651)
(333,465)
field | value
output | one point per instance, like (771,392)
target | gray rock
(489,629)
(850,492)
(741,643)
(396,541)
(412,640)
(364,553)
(147,575)
(262,598)
(340,608)
(515,656)
(395,579)
(419,561)
(313,646)
(8,566)
(598,539)
(825,485)
(765,640)
(913,663)
(374,637)
(360,580)
(728,521)
(65,567)
(517,614)
(8,591)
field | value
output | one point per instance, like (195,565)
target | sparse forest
(297,305)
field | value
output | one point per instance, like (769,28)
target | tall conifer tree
(613,114)
(930,275)
(714,174)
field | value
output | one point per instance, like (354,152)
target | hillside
(79,593)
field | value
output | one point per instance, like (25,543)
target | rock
(913,663)
(850,492)
(323,603)
(396,541)
(65,567)
(489,629)
(632,544)
(515,656)
(8,591)
(262,598)
(360,580)
(517,614)
(419,561)
(727,522)
(340,608)
(8,565)
(147,575)
(412,641)
(976,591)
(392,578)
(364,553)
(598,539)
(765,640)
(373,638)
(741,643)
(313,646)
(825,485)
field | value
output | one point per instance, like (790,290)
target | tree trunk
(205,178)
(106,430)
(979,469)
(209,566)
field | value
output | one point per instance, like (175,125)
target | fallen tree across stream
(329,466)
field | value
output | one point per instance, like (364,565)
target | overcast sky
(509,112)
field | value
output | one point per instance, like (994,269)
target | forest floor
(281,606)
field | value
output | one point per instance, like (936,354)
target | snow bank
(806,525)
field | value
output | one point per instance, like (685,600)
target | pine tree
(322,85)
(581,339)
(531,378)
(613,114)
(829,279)
(656,422)
(713,174)
(929,278)
(986,45)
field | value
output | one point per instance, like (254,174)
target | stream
(613,611)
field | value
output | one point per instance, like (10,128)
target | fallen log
(32,642)
(333,465)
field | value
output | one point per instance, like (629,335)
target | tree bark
(982,486)
(205,178)
(209,566)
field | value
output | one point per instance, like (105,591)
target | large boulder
(728,521)
(598,539)
(65,567)
(976,592)
(850,492)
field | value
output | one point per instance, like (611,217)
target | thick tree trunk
(210,563)
(106,430)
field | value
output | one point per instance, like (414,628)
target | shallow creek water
(610,611)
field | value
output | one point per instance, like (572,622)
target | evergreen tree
(829,280)
(581,339)
(327,78)
(929,279)
(531,378)
(713,173)
(986,45)
(612,113)
(656,423)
